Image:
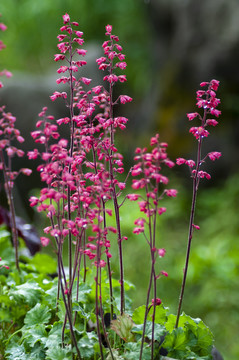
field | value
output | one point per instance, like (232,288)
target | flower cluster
(81,172)
(149,177)
(6,73)
(150,182)
(8,134)
(206,100)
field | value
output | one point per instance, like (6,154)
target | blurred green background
(171,46)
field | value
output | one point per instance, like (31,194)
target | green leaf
(40,314)
(37,353)
(51,294)
(35,334)
(61,310)
(44,263)
(86,345)
(116,284)
(28,292)
(171,321)
(159,330)
(115,354)
(84,290)
(123,326)
(204,338)
(134,351)
(81,312)
(196,329)
(139,313)
(17,352)
(58,353)
(55,335)
(178,342)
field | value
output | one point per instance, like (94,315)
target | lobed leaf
(40,314)
(28,292)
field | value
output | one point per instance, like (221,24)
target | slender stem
(190,231)
(103,323)
(12,209)
(97,285)
(68,311)
(109,271)
(72,128)
(122,300)
(114,194)
(146,314)
(151,273)
(154,281)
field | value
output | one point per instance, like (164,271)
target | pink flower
(122,78)
(3,27)
(20,139)
(157,301)
(44,241)
(124,99)
(161,210)
(108,29)
(205,83)
(196,227)
(57,94)
(154,140)
(91,246)
(122,65)
(161,252)
(180,161)
(33,201)
(10,151)
(164,273)
(140,222)
(214,155)
(59,57)
(26,171)
(202,174)
(136,171)
(212,122)
(66,18)
(62,69)
(199,131)
(190,163)
(111,78)
(171,192)
(79,33)
(191,116)
(138,230)
(214,84)
(169,163)
(102,263)
(133,197)
(215,112)
(86,81)
(121,185)
(32,155)
(81,52)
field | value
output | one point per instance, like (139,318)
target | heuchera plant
(84,313)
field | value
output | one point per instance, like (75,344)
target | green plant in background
(28,17)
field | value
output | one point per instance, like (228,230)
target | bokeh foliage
(34,25)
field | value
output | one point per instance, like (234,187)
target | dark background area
(171,46)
